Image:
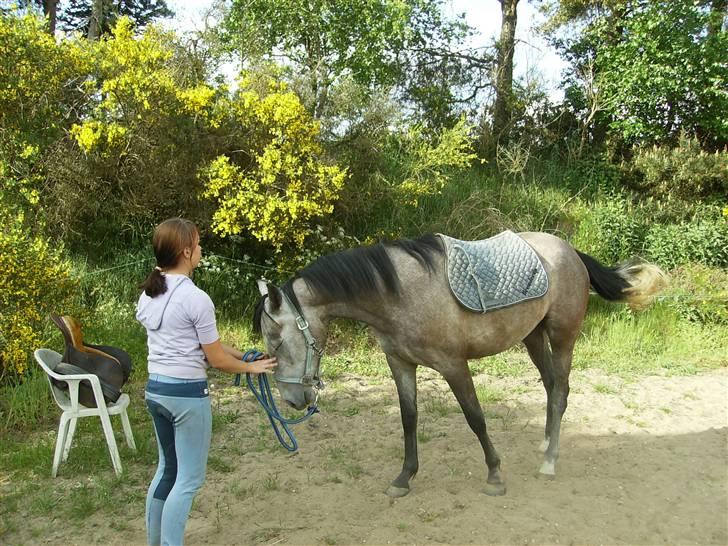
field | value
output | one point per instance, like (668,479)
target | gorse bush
(684,172)
(278,183)
(145,132)
(40,90)
(34,280)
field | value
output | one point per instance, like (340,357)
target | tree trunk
(504,75)
(50,10)
(717,14)
(96,24)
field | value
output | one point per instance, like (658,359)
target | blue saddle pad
(494,273)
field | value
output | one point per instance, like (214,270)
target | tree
(96,17)
(658,67)
(667,75)
(504,75)
(380,44)
(49,7)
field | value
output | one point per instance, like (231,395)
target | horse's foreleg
(405,377)
(461,383)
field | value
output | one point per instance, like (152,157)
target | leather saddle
(111,364)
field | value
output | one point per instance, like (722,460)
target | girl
(183,341)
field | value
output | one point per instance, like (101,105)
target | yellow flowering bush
(427,164)
(39,92)
(282,184)
(34,280)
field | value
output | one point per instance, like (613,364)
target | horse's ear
(262,287)
(274,296)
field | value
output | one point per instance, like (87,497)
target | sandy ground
(643,462)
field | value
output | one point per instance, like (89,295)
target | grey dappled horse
(400,290)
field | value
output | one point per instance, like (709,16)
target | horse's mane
(359,272)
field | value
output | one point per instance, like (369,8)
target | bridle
(310,377)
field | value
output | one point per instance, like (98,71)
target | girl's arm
(219,358)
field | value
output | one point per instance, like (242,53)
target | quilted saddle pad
(494,273)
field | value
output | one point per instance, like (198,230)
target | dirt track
(641,463)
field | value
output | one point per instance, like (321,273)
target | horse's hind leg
(554,365)
(461,383)
(538,349)
(405,378)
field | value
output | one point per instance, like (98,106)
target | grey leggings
(182,417)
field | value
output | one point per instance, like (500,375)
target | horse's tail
(634,282)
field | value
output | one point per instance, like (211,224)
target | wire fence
(247,264)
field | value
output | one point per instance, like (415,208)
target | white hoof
(548,470)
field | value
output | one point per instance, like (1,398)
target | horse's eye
(275,342)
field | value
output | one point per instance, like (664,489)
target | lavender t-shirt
(177,323)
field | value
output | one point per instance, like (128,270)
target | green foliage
(702,240)
(644,71)
(590,177)
(379,44)
(610,229)
(361,36)
(699,293)
(409,167)
(666,74)
(683,172)
(281,184)
(34,280)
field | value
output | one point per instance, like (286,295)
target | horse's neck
(372,312)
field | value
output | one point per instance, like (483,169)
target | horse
(400,290)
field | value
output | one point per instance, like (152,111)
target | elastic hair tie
(158,269)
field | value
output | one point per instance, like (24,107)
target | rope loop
(264,396)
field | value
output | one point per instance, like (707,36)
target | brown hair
(169,241)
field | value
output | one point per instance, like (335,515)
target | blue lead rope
(265,398)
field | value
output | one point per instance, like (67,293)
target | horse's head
(296,338)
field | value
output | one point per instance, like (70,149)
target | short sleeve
(202,313)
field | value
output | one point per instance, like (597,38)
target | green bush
(592,177)
(704,240)
(699,293)
(684,172)
(611,230)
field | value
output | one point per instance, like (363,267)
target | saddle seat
(493,273)
(111,364)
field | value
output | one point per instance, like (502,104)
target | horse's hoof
(547,471)
(396,492)
(495,489)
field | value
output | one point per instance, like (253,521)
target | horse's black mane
(359,272)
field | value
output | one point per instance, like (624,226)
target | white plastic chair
(73,410)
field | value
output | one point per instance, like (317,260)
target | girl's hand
(262,365)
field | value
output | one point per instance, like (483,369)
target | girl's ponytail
(155,283)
